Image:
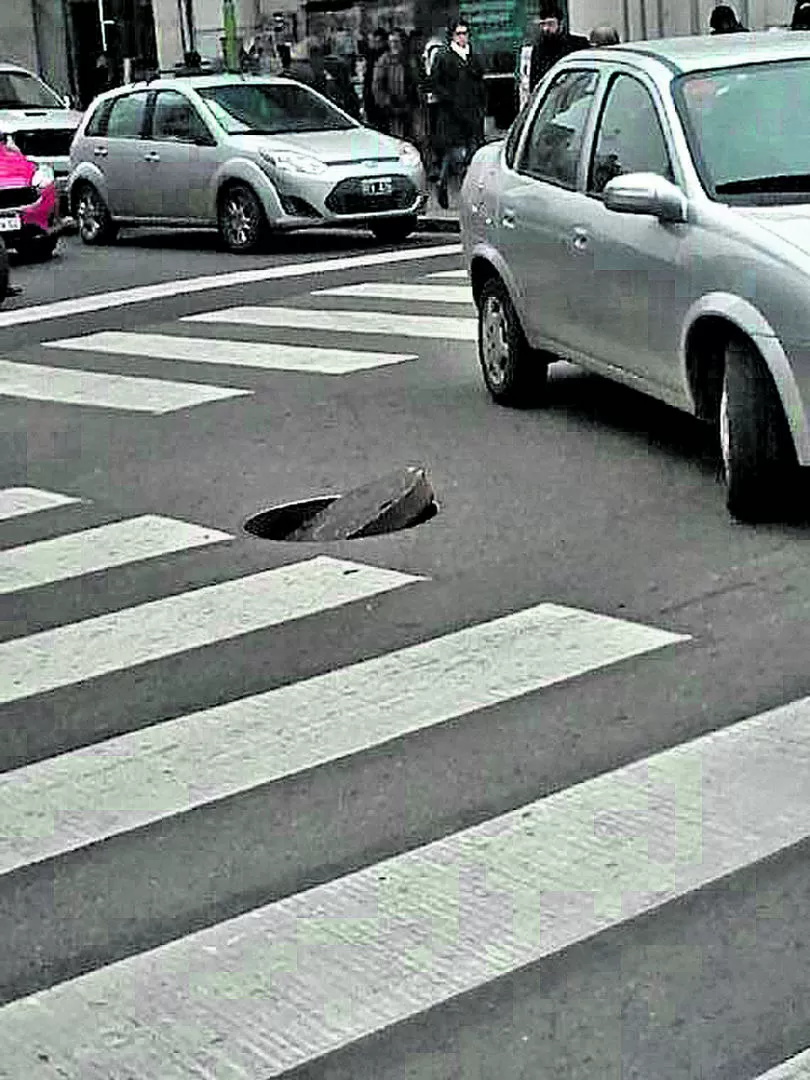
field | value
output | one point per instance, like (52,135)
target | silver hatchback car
(648,217)
(246,154)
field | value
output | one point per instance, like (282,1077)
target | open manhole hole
(400,500)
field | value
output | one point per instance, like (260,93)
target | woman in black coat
(457,81)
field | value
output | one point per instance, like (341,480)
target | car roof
(199,82)
(685,54)
(5,65)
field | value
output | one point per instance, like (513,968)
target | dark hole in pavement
(400,500)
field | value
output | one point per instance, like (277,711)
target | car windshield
(749,128)
(271,109)
(19,90)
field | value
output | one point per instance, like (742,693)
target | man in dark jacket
(457,81)
(724,20)
(552,41)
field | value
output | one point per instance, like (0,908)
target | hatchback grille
(44,143)
(11,198)
(347,197)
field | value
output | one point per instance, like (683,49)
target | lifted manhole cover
(397,501)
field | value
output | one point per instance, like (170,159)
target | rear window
(97,124)
(126,116)
(20,90)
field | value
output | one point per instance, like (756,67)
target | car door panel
(119,154)
(181,158)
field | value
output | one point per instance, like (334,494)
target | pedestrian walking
(394,88)
(377,47)
(801,16)
(457,80)
(723,20)
(552,41)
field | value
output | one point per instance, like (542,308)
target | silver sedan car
(648,217)
(246,154)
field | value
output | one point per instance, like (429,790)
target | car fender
(753,324)
(255,177)
(89,171)
(482,249)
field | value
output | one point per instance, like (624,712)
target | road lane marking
(66,386)
(797,1068)
(53,806)
(17,501)
(161,628)
(99,548)
(450,275)
(287,984)
(350,322)
(82,305)
(253,354)
(391,290)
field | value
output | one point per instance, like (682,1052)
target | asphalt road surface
(521,792)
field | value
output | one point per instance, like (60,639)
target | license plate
(10,223)
(382,186)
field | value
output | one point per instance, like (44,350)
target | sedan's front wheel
(394,230)
(759,458)
(515,374)
(242,224)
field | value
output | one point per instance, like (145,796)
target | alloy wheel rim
(725,434)
(496,341)
(89,216)
(240,218)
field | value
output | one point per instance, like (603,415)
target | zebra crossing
(291,981)
(73,386)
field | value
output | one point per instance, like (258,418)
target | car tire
(240,219)
(93,217)
(38,249)
(759,459)
(394,230)
(514,373)
(3,271)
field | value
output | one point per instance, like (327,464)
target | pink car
(29,221)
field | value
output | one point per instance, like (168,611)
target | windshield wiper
(788,182)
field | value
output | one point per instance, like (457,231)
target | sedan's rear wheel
(515,374)
(242,224)
(95,224)
(37,249)
(759,458)
(3,271)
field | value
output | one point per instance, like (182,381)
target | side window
(125,120)
(98,121)
(175,118)
(629,137)
(554,143)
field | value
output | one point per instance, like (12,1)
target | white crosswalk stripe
(19,501)
(391,290)
(100,548)
(291,982)
(449,275)
(250,354)
(354,322)
(138,778)
(160,628)
(68,386)
(797,1068)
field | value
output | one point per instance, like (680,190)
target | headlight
(42,177)
(290,161)
(409,155)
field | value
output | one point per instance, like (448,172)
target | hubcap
(725,435)
(89,214)
(241,220)
(495,340)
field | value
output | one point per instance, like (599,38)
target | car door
(541,204)
(632,263)
(120,154)
(180,157)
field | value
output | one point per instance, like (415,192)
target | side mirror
(646,193)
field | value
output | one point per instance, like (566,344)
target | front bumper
(37,220)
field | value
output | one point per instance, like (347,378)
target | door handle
(508,219)
(100,151)
(580,239)
(151,155)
